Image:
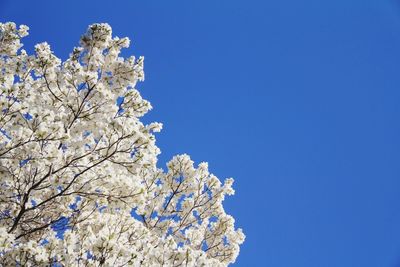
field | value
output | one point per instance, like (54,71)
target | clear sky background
(297,100)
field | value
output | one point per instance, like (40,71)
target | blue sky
(297,100)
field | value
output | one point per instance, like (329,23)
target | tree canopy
(79,180)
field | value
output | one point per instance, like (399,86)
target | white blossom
(79,178)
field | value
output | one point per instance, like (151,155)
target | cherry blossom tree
(74,152)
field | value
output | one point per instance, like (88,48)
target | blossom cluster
(74,151)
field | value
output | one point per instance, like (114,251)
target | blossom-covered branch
(73,151)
